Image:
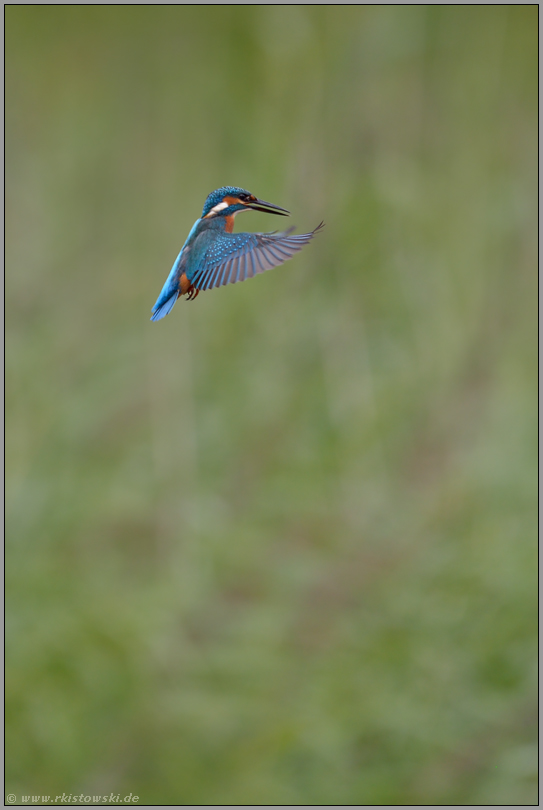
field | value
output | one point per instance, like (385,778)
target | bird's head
(229,200)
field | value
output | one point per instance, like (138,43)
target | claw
(192,292)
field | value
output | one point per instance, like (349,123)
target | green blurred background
(280,547)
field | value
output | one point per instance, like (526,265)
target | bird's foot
(192,293)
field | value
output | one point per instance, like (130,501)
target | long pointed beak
(258,205)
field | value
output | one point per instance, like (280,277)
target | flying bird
(213,255)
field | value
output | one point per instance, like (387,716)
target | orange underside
(186,287)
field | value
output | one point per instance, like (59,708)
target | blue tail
(160,310)
(169,293)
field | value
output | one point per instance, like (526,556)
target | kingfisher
(213,255)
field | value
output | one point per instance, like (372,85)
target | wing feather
(251,271)
(241,268)
(228,267)
(240,261)
(277,256)
(214,277)
(228,276)
(207,278)
(260,261)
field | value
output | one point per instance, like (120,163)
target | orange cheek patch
(231,200)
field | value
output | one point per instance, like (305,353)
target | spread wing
(238,256)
